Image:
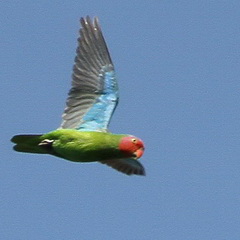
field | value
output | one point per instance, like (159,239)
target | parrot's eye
(134,140)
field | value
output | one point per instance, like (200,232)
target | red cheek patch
(131,147)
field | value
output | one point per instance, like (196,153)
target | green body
(73,145)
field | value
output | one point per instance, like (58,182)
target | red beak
(139,152)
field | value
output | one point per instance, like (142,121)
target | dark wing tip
(87,20)
(126,166)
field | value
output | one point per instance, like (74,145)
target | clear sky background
(178,66)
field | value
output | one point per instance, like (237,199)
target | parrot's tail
(28,143)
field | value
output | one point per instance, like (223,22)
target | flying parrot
(83,135)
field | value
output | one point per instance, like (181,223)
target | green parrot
(83,135)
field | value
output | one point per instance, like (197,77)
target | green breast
(79,146)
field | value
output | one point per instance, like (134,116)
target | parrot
(83,135)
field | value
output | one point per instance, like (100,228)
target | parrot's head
(131,146)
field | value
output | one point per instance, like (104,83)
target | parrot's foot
(46,143)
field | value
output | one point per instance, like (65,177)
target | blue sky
(177,64)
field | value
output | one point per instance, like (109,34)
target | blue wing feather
(98,116)
(94,93)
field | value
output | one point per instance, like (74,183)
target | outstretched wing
(127,166)
(94,93)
